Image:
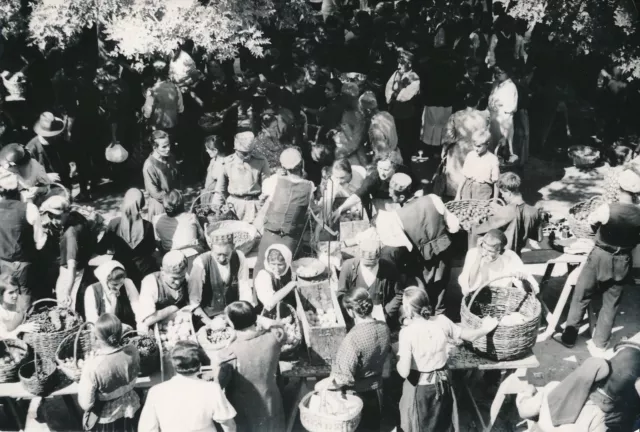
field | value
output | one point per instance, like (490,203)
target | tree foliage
(11,20)
(602,27)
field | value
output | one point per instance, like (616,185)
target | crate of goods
(168,332)
(323,325)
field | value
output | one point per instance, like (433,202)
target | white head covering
(286,254)
(391,231)
(104,270)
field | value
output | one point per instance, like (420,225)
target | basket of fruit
(207,211)
(578,218)
(37,376)
(147,348)
(518,312)
(215,339)
(245,235)
(55,324)
(179,327)
(584,156)
(330,411)
(473,212)
(74,350)
(13,353)
(285,315)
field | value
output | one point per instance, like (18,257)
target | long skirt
(371,411)
(521,136)
(434,120)
(421,410)
(123,424)
(472,189)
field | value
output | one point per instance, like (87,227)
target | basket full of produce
(215,339)
(285,316)
(584,156)
(178,327)
(578,218)
(13,353)
(38,376)
(472,212)
(207,211)
(329,411)
(147,349)
(74,350)
(54,325)
(518,312)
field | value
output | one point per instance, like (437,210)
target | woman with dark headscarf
(131,238)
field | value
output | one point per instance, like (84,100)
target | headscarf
(569,397)
(105,269)
(286,254)
(131,227)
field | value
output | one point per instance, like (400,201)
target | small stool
(574,264)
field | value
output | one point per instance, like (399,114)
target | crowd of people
(324,128)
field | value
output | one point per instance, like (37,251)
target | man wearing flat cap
(240,182)
(287,199)
(383,136)
(608,265)
(214,282)
(401,93)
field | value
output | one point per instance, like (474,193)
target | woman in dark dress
(131,238)
(360,359)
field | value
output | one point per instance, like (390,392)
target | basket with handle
(14,352)
(315,421)
(37,376)
(149,352)
(291,345)
(471,212)
(506,342)
(578,218)
(46,344)
(206,343)
(75,347)
(208,212)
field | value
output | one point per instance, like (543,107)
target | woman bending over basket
(361,358)
(427,401)
(106,388)
(481,170)
(11,315)
(489,261)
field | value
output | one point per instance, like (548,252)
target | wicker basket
(76,347)
(505,342)
(577,218)
(463,209)
(19,351)
(583,160)
(46,344)
(206,212)
(30,381)
(288,350)
(245,235)
(149,363)
(318,422)
(207,345)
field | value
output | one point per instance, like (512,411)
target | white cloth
(185,404)
(507,263)
(425,342)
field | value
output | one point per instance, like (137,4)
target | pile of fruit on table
(321,318)
(55,320)
(177,329)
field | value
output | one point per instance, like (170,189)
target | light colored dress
(503,103)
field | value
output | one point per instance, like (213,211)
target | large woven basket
(506,342)
(288,350)
(38,385)
(19,351)
(470,212)
(208,212)
(75,347)
(149,362)
(46,344)
(207,345)
(245,235)
(318,422)
(578,217)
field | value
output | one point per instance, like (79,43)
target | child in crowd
(214,146)
(481,170)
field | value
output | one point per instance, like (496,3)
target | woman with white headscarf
(114,293)
(276,282)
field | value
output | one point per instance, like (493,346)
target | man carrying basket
(608,264)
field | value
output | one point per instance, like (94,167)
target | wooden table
(11,392)
(460,359)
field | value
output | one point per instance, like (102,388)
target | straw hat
(48,125)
